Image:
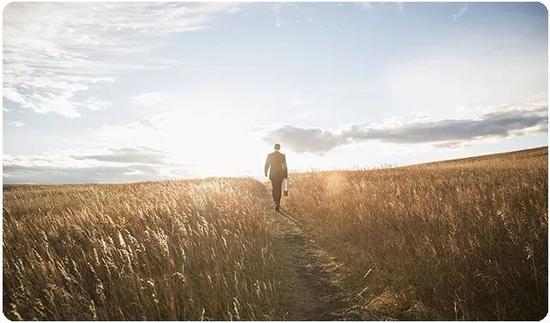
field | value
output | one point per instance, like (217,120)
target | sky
(121,92)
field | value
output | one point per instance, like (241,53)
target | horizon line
(294,172)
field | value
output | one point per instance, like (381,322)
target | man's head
(277,147)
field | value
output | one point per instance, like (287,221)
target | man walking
(276,164)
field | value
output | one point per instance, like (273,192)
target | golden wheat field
(186,250)
(464,239)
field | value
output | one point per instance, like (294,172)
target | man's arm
(285,166)
(266,167)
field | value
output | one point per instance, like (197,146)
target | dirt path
(309,288)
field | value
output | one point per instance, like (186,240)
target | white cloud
(234,10)
(141,155)
(461,12)
(94,104)
(277,11)
(145,131)
(496,122)
(54,50)
(367,6)
(372,6)
(16,124)
(112,164)
(13,95)
(150,99)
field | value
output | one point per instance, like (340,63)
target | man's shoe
(277,207)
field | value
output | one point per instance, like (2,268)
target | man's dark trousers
(277,183)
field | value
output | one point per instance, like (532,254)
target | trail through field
(310,291)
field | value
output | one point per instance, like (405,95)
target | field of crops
(464,239)
(158,251)
(459,240)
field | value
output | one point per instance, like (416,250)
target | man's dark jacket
(276,164)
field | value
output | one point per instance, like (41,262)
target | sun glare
(212,146)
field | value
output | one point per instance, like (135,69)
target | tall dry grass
(185,250)
(455,240)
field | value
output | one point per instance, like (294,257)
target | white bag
(285,186)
